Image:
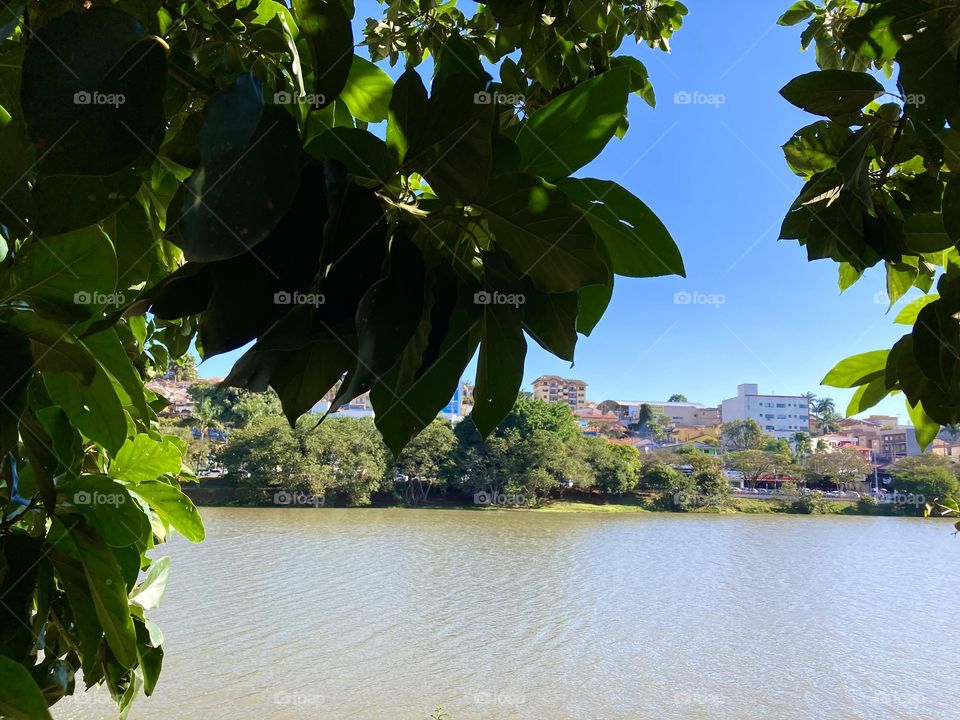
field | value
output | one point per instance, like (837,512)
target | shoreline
(628,504)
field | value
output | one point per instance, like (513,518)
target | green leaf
(20,698)
(546,237)
(173,507)
(327,30)
(797,13)
(924,428)
(847,275)
(857,369)
(867,396)
(574,127)
(455,134)
(16,371)
(248,178)
(367,92)
(879,33)
(54,348)
(70,202)
(551,320)
(70,273)
(951,211)
(304,376)
(638,243)
(94,409)
(925,232)
(499,367)
(110,509)
(593,302)
(407,113)
(900,278)
(102,109)
(404,406)
(816,148)
(361,152)
(143,458)
(109,593)
(149,593)
(908,314)
(832,92)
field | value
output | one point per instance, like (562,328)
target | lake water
(368,614)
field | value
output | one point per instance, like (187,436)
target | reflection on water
(370,614)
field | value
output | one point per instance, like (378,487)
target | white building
(778,415)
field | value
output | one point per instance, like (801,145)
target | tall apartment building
(553,388)
(778,415)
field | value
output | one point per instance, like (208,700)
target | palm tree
(823,407)
(801,445)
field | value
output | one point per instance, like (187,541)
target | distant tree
(778,445)
(617,467)
(650,422)
(951,432)
(529,415)
(425,462)
(755,464)
(843,466)
(183,368)
(823,406)
(678,398)
(801,445)
(932,476)
(743,435)
(354,451)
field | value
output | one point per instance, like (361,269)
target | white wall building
(678,413)
(778,415)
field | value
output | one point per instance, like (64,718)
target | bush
(810,504)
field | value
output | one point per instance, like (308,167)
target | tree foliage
(880,186)
(229,172)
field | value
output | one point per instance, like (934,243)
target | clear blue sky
(716,177)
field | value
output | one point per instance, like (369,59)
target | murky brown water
(370,614)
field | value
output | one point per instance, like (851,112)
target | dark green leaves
(327,29)
(546,237)
(638,243)
(832,92)
(93,86)
(20,698)
(572,129)
(16,370)
(248,178)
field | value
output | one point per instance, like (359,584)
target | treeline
(536,454)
